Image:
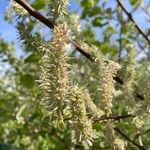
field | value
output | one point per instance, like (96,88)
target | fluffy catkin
(90,105)
(128,78)
(57,8)
(53,79)
(81,125)
(107,86)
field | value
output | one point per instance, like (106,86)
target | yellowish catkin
(90,105)
(54,79)
(107,86)
(81,125)
(129,76)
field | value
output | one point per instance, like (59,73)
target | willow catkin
(81,125)
(128,78)
(53,79)
(90,105)
(107,86)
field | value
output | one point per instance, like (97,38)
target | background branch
(128,139)
(135,24)
(35,13)
(114,118)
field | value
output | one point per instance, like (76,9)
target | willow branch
(128,139)
(133,21)
(114,118)
(51,25)
(35,13)
(82,51)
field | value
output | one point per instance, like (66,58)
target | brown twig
(133,21)
(114,118)
(128,139)
(35,13)
(51,25)
(82,51)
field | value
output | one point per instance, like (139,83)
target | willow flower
(107,86)
(81,125)
(54,79)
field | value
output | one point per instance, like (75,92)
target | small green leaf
(85,12)
(132,2)
(109,31)
(97,126)
(95,11)
(32,58)
(38,4)
(88,3)
(97,21)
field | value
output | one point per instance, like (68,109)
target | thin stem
(128,139)
(114,118)
(133,21)
(35,13)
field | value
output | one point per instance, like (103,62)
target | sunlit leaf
(32,58)
(97,21)
(95,11)
(132,2)
(38,4)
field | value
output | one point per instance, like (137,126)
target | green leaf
(38,4)
(97,21)
(88,3)
(95,11)
(97,126)
(32,58)
(89,34)
(27,80)
(132,2)
(109,31)
(85,12)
